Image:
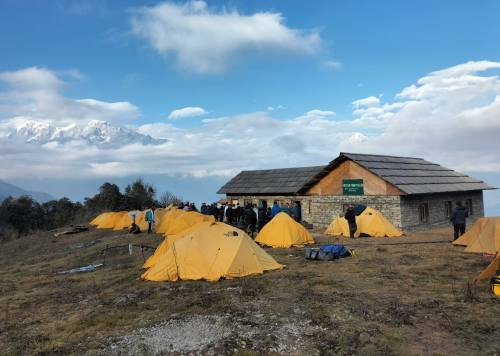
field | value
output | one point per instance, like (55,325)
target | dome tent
(211,251)
(123,222)
(111,220)
(472,233)
(184,221)
(167,219)
(487,239)
(370,222)
(99,219)
(283,231)
(489,271)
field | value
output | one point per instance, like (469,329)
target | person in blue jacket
(150,218)
(275,210)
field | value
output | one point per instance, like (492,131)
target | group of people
(249,217)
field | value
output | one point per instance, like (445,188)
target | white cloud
(366,102)
(451,116)
(186,112)
(37,93)
(320,113)
(456,125)
(207,40)
(333,64)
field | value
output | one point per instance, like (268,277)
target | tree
(23,214)
(110,197)
(167,198)
(60,212)
(139,195)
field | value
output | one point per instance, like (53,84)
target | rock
(364,338)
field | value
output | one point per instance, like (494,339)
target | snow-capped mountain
(96,132)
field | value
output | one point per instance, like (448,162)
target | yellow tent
(488,239)
(140,221)
(185,220)
(490,271)
(99,219)
(283,231)
(211,251)
(472,233)
(164,246)
(110,221)
(167,219)
(123,221)
(370,222)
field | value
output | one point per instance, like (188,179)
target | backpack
(149,215)
(495,285)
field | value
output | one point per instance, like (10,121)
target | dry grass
(389,299)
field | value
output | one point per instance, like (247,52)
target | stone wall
(323,209)
(410,209)
(402,211)
(320,210)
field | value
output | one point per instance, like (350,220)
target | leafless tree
(167,198)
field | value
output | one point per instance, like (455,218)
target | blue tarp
(337,250)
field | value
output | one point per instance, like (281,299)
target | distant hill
(7,189)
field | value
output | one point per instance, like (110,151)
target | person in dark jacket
(458,219)
(230,214)
(250,220)
(296,213)
(351,220)
(262,217)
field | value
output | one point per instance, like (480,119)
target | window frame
(469,205)
(423,212)
(448,208)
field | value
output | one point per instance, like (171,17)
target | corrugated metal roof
(410,175)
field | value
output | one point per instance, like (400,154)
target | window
(468,204)
(447,209)
(423,210)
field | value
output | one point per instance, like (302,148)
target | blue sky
(262,67)
(383,46)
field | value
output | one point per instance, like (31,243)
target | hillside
(391,298)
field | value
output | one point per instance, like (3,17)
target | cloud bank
(451,116)
(37,94)
(208,40)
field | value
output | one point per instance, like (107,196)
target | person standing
(150,218)
(351,220)
(458,219)
(296,213)
(275,210)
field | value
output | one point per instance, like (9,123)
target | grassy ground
(390,298)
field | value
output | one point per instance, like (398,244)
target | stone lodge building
(412,193)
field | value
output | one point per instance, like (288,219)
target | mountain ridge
(97,132)
(8,189)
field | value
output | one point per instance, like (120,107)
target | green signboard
(352,187)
